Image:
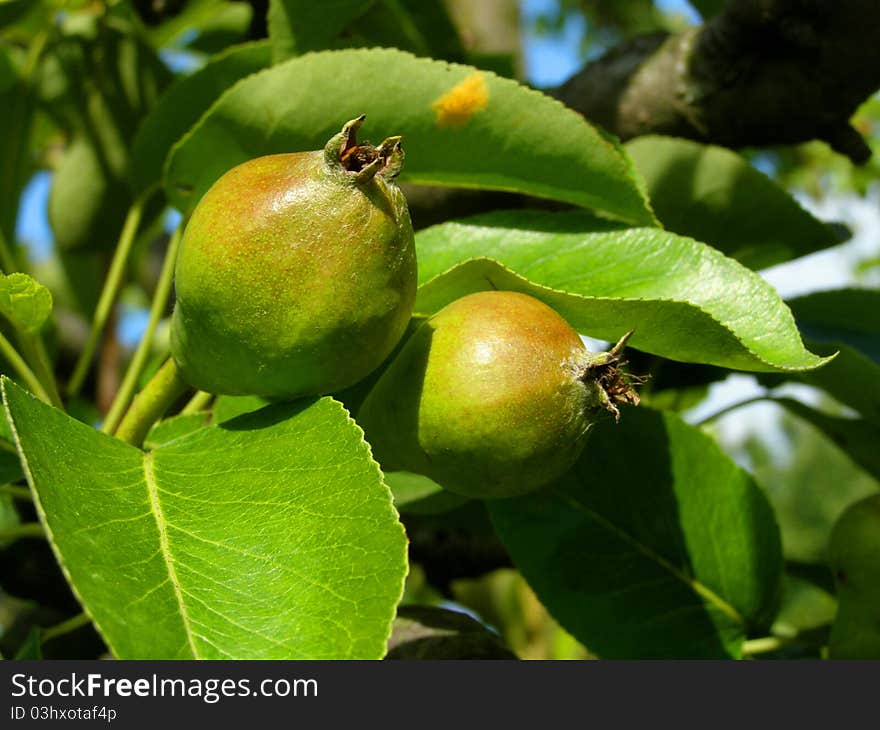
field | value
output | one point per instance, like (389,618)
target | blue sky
(551,59)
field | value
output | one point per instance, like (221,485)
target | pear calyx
(363,160)
(611,384)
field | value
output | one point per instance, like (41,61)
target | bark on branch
(763,72)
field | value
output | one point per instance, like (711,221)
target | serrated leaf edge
(41,513)
(399,523)
(626,163)
(374,464)
(634,341)
(159,517)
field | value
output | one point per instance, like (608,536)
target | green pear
(297,272)
(855,560)
(493,396)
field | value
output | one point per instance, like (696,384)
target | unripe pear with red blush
(493,396)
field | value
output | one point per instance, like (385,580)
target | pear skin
(493,396)
(297,272)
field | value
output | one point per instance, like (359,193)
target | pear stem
(139,359)
(27,529)
(729,409)
(14,491)
(151,403)
(199,402)
(24,371)
(65,627)
(34,350)
(7,258)
(112,285)
(764,645)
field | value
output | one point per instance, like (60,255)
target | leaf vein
(695,585)
(162,525)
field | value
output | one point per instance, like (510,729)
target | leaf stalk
(139,359)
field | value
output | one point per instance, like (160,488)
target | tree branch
(762,72)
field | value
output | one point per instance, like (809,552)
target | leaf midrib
(165,548)
(702,590)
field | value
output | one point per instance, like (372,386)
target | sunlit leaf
(685,300)
(270,536)
(26,303)
(462,127)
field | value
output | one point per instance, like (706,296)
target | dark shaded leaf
(712,194)
(656,545)
(427,632)
(183,103)
(857,437)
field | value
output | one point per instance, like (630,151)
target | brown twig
(762,72)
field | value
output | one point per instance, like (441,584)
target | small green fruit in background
(297,272)
(493,396)
(855,560)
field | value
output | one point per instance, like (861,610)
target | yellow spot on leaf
(456,107)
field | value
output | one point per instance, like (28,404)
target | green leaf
(26,303)
(687,301)
(89,196)
(13,10)
(416,494)
(174,428)
(708,8)
(184,102)
(227,407)
(270,536)
(423,27)
(10,467)
(857,437)
(462,127)
(9,520)
(88,201)
(429,632)
(851,378)
(6,434)
(299,26)
(804,606)
(8,72)
(713,195)
(847,316)
(842,321)
(196,16)
(433,22)
(229,24)
(656,545)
